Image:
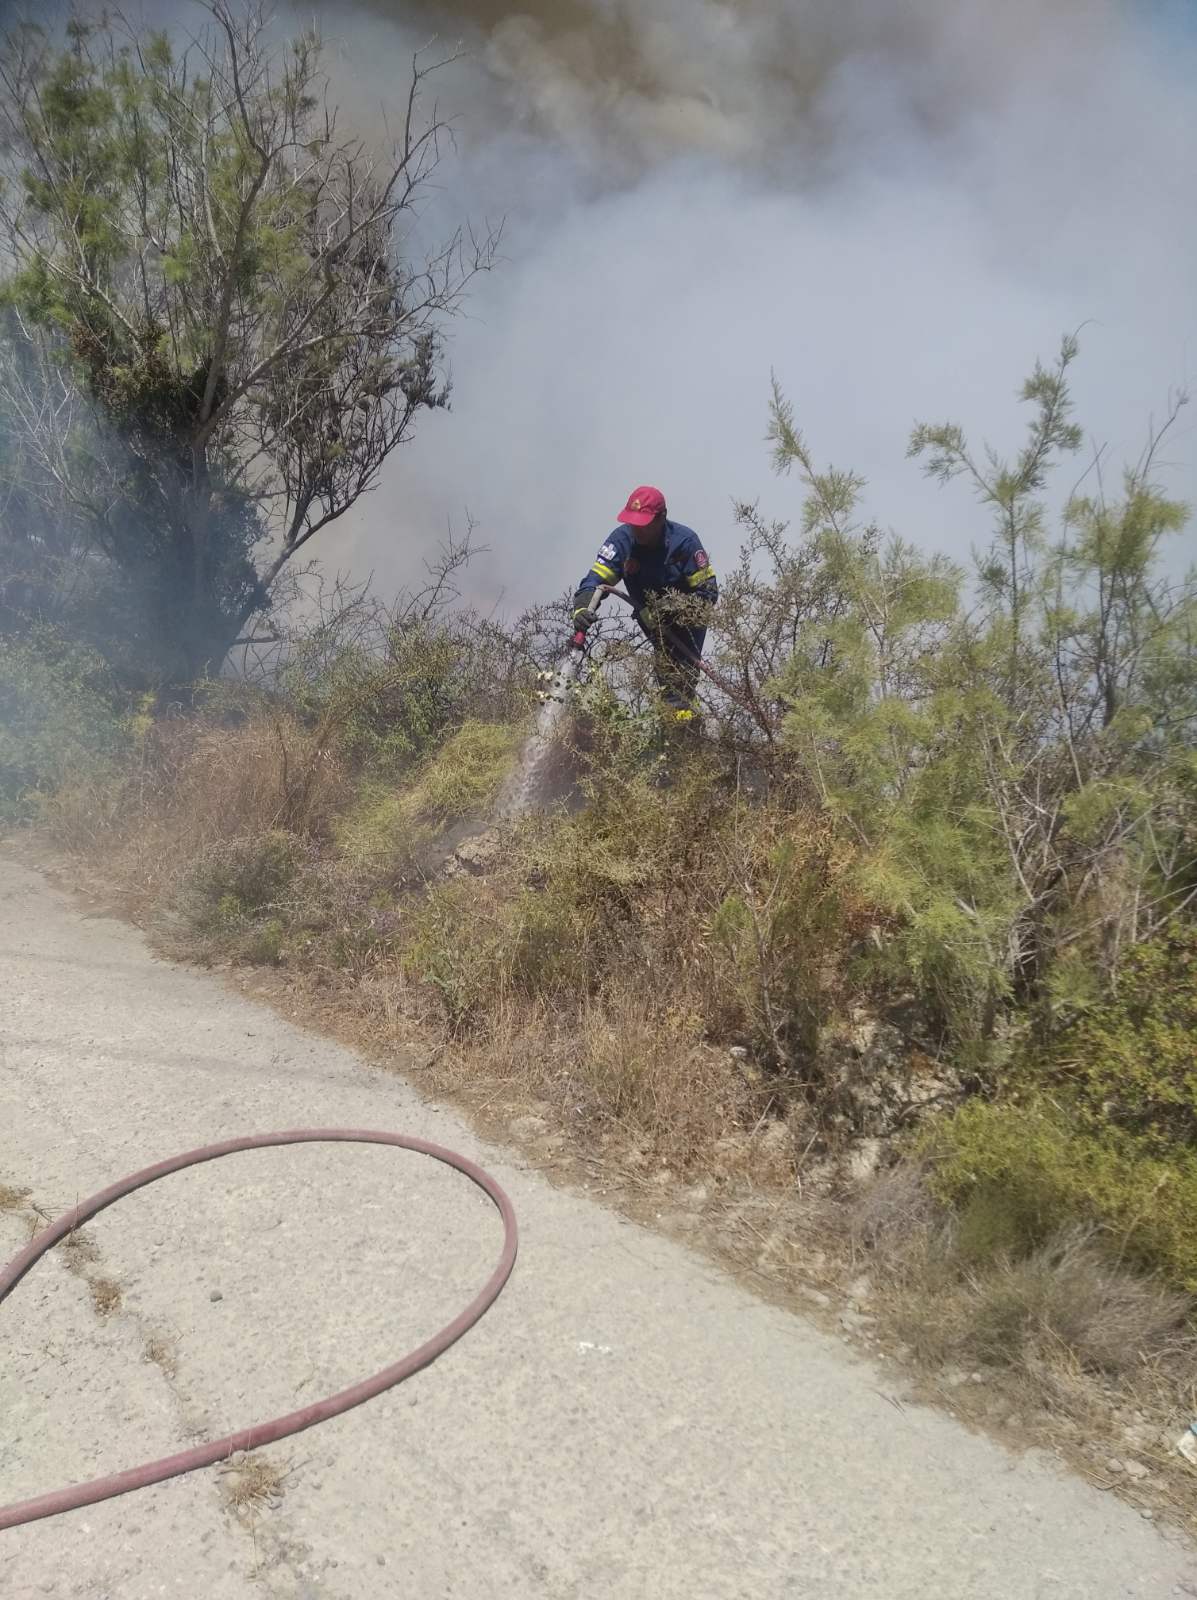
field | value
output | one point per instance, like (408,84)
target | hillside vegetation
(905,929)
(937,889)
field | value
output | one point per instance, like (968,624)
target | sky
(896,209)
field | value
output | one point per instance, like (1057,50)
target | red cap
(644,504)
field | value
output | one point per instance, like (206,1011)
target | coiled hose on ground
(205,1455)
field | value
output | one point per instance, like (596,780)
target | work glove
(584,619)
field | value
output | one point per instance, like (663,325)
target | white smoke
(897,208)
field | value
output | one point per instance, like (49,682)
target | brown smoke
(634,81)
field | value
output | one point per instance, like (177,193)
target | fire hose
(676,642)
(261,1433)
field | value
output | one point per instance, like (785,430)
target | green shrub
(552,943)
(1132,1060)
(396,686)
(263,944)
(465,776)
(458,948)
(229,898)
(59,720)
(391,827)
(477,944)
(778,931)
(1097,1126)
(1016,1174)
(1013,756)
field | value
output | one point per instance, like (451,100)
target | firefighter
(662,564)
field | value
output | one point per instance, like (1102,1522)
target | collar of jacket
(664,548)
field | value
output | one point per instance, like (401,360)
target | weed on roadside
(106,1295)
(12,1199)
(252,1483)
(161,1352)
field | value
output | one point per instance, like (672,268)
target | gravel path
(626,1423)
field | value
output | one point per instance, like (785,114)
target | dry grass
(894,1219)
(79,1250)
(251,1484)
(1064,1301)
(193,784)
(160,1350)
(1068,1294)
(106,1296)
(623,1073)
(79,1253)
(1066,1305)
(268,773)
(648,1070)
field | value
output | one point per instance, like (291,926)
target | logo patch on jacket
(700,559)
(608,553)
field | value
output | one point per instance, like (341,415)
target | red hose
(204,1455)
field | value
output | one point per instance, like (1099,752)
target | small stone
(1114,1465)
(1148,1516)
(1136,1470)
(478,854)
(216,1295)
(528,1127)
(864,1034)
(382,1560)
(864,1160)
(855,1321)
(738,1053)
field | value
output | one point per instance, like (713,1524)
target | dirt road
(627,1422)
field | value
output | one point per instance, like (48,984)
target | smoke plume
(896,208)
